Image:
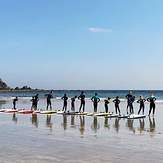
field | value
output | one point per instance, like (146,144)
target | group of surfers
(95,100)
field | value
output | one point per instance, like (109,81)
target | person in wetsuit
(82,99)
(49,97)
(106,102)
(130,99)
(64,98)
(14,102)
(141,101)
(95,99)
(117,102)
(152,100)
(35,103)
(73,103)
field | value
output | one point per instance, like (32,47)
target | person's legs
(106,108)
(118,109)
(150,109)
(80,107)
(143,109)
(154,106)
(139,110)
(83,106)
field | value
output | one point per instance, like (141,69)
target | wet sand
(78,139)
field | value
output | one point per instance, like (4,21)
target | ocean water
(79,139)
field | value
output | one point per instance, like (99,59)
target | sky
(82,44)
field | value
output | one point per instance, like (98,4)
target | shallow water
(78,139)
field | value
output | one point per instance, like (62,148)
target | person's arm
(144,100)
(148,99)
(114,101)
(119,101)
(92,99)
(155,99)
(138,101)
(98,100)
(79,97)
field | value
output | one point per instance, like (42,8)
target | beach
(78,139)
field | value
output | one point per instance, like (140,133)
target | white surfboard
(82,113)
(11,111)
(112,116)
(123,116)
(100,114)
(136,116)
(47,112)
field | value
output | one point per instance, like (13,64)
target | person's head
(117,97)
(16,97)
(130,92)
(75,96)
(141,97)
(95,94)
(65,94)
(82,92)
(109,98)
(51,91)
(37,95)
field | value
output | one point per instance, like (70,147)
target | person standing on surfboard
(117,102)
(64,98)
(130,99)
(49,97)
(152,100)
(35,103)
(73,103)
(95,99)
(141,101)
(14,102)
(106,102)
(82,99)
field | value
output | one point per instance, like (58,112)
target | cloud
(99,30)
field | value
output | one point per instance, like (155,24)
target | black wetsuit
(130,100)
(95,100)
(142,106)
(14,103)
(49,97)
(152,104)
(82,105)
(73,104)
(106,105)
(64,98)
(117,102)
(35,102)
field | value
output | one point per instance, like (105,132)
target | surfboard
(11,111)
(82,113)
(112,116)
(100,114)
(123,116)
(25,111)
(3,110)
(47,112)
(36,111)
(136,116)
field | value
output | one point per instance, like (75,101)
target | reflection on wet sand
(129,124)
(64,124)
(95,125)
(152,126)
(34,120)
(48,122)
(142,126)
(73,121)
(106,124)
(116,124)
(14,118)
(82,125)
